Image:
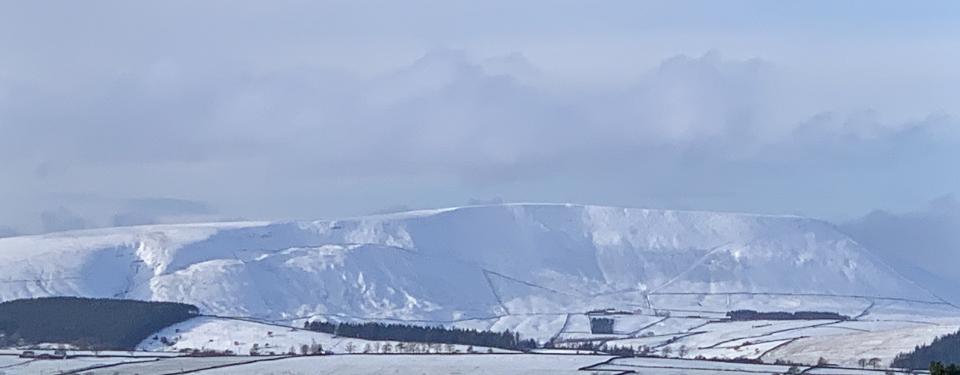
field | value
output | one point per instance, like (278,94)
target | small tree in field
(350,348)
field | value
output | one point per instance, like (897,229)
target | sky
(124,113)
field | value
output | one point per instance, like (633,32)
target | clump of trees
(938,368)
(942,350)
(190,352)
(601,325)
(783,315)
(87,323)
(432,334)
(756,361)
(590,346)
(872,362)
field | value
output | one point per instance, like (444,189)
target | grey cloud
(61,219)
(163,210)
(677,135)
(446,113)
(8,232)
(168,206)
(391,209)
(481,201)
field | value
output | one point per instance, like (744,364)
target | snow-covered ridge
(475,262)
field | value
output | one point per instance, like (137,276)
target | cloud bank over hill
(296,112)
(702,125)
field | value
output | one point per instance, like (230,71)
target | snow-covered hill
(240,336)
(473,265)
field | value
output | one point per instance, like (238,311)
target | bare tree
(350,348)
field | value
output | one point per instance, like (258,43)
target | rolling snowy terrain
(532,268)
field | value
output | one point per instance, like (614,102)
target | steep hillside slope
(479,262)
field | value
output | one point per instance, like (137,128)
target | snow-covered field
(661,366)
(240,336)
(415,364)
(357,364)
(846,349)
(801,341)
(364,364)
(11,365)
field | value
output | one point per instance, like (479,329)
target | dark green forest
(412,333)
(88,323)
(943,350)
(782,315)
(938,368)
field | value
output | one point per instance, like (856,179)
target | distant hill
(510,267)
(87,322)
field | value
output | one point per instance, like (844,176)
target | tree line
(783,315)
(942,350)
(424,334)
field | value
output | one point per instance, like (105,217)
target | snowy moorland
(667,278)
